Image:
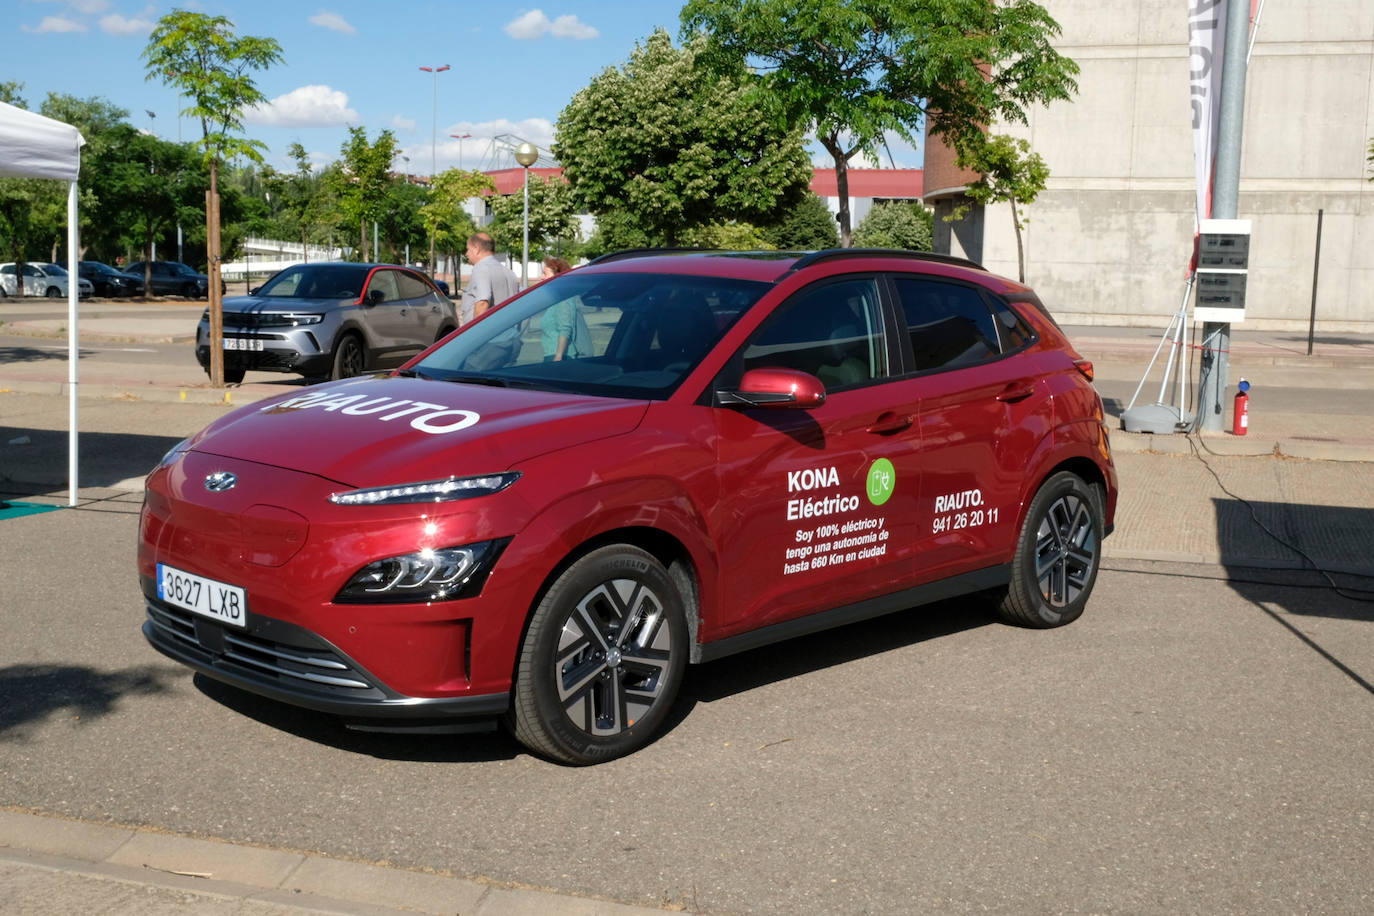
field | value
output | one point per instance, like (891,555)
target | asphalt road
(1191,745)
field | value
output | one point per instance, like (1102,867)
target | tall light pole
(433,140)
(460,138)
(526,154)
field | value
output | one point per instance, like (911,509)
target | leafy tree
(1011,173)
(727,236)
(97,119)
(853,70)
(552,216)
(896,224)
(444,217)
(19,197)
(674,146)
(616,231)
(202,57)
(400,224)
(362,182)
(809,226)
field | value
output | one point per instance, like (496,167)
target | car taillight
(1084,366)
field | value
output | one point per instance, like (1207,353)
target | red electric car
(650,461)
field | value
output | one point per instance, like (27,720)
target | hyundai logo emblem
(220,481)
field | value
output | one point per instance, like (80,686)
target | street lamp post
(526,154)
(433,139)
(460,138)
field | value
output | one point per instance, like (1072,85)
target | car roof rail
(836,254)
(628,253)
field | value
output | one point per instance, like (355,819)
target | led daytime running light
(430,491)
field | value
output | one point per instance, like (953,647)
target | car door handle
(1013,393)
(890,423)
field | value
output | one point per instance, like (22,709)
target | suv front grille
(316,668)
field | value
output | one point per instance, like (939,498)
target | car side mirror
(774,388)
(375,296)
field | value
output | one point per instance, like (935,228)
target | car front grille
(296,666)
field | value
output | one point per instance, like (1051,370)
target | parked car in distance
(173,278)
(40,280)
(109,281)
(329,319)
(652,461)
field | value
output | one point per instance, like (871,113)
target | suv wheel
(602,659)
(190,291)
(1057,555)
(349,359)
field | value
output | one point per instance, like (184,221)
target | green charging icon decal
(882,477)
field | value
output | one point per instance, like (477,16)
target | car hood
(387,430)
(249,304)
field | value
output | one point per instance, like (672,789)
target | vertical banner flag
(1206,48)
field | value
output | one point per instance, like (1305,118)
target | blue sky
(348,63)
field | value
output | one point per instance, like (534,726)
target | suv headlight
(442,574)
(429,491)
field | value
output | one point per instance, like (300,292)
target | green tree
(727,236)
(362,182)
(675,146)
(896,224)
(443,215)
(809,226)
(1011,173)
(854,70)
(553,217)
(203,58)
(19,197)
(96,118)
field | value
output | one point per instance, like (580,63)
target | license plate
(207,597)
(242,343)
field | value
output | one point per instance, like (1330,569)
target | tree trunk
(211,269)
(832,146)
(1020,251)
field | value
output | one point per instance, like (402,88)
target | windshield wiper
(491,380)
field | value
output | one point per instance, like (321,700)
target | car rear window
(948,325)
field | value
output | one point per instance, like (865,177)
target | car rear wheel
(190,291)
(53,292)
(1057,555)
(349,359)
(602,660)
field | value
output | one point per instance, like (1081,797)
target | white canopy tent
(32,146)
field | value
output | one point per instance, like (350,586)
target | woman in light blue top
(563,329)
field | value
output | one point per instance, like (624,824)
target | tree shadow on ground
(38,354)
(34,461)
(30,694)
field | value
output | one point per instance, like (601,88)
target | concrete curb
(226,875)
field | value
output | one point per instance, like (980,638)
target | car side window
(412,287)
(1016,333)
(833,331)
(384,280)
(949,325)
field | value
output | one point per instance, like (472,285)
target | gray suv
(335,320)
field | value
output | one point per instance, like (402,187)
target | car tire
(1057,555)
(191,291)
(444,332)
(602,660)
(349,357)
(53,292)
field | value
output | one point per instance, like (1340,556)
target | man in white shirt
(491,282)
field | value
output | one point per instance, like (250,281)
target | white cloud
(55,24)
(535,24)
(400,122)
(308,106)
(327,20)
(115,24)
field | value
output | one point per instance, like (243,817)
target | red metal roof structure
(881,183)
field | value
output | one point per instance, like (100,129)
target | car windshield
(630,335)
(317,281)
(98,267)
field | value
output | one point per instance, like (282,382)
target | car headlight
(429,491)
(442,574)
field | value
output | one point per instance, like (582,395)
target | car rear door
(817,504)
(422,312)
(984,410)
(386,320)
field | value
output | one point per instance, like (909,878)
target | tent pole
(73,353)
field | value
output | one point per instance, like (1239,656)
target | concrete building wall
(1110,239)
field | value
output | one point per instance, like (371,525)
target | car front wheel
(53,292)
(1057,555)
(602,660)
(349,359)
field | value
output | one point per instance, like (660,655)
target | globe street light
(526,154)
(433,139)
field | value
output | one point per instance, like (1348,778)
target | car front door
(817,503)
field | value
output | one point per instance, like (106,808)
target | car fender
(642,510)
(1080,443)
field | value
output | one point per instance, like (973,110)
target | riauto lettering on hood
(424,416)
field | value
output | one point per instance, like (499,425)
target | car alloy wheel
(603,658)
(1057,554)
(349,359)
